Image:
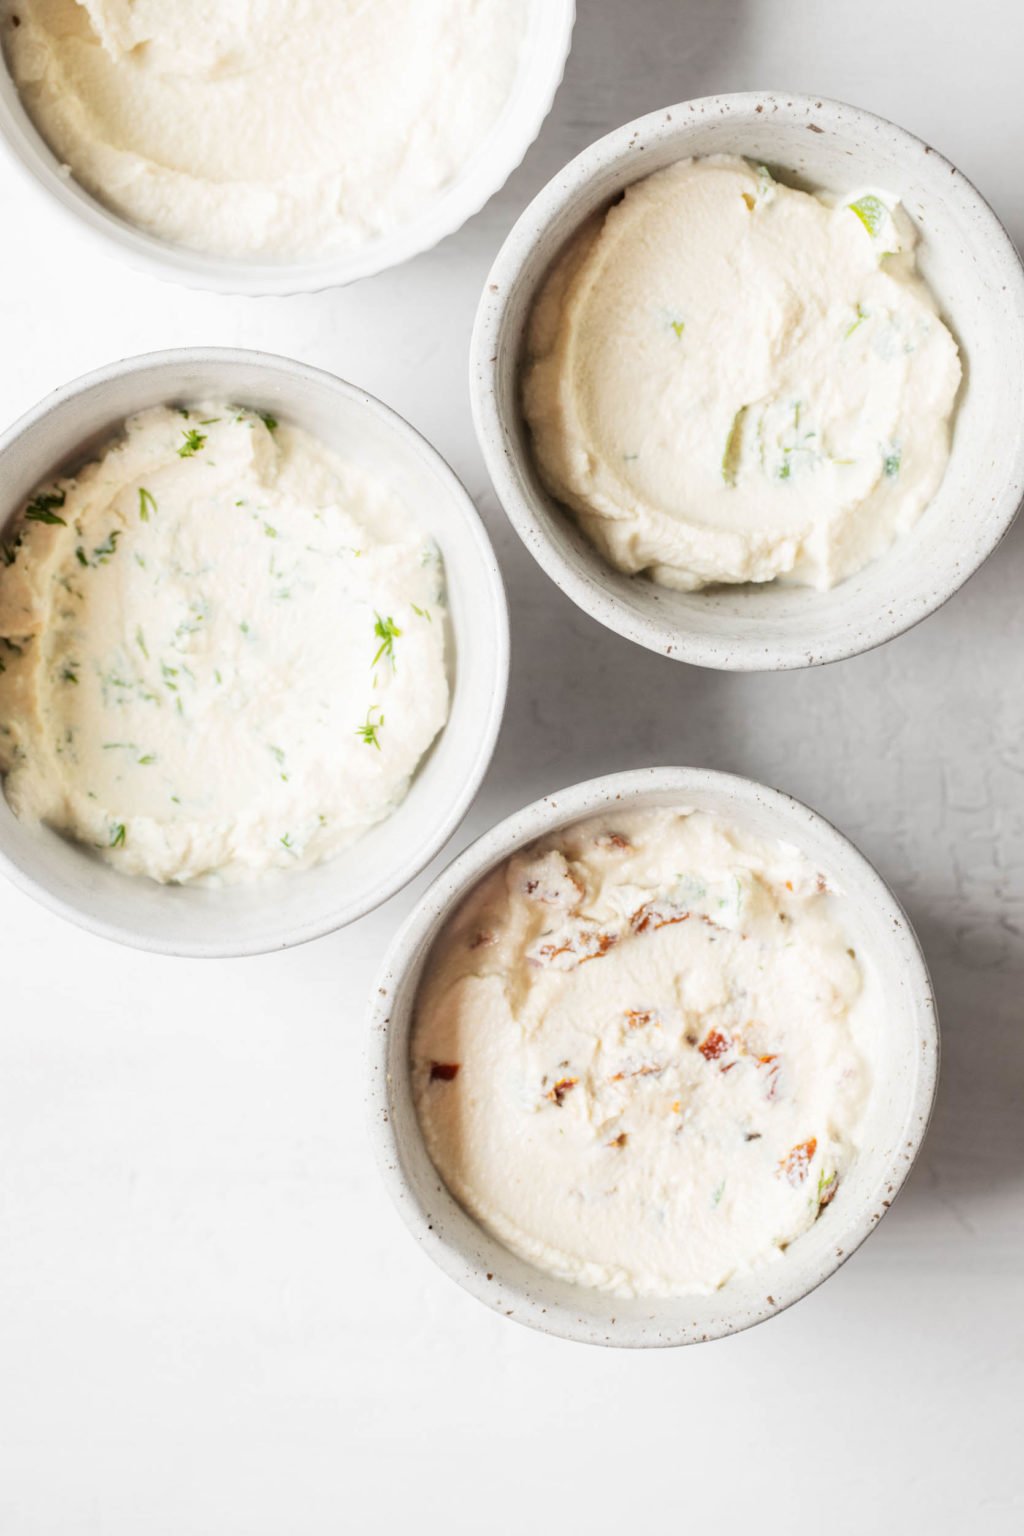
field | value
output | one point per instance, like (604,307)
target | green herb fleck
(871,211)
(140,641)
(679,326)
(733,447)
(368,732)
(193,442)
(891,463)
(387,632)
(424,613)
(9,552)
(118,834)
(144,762)
(68,675)
(862,315)
(718,1193)
(147,504)
(270,532)
(244,627)
(41,508)
(80,556)
(270,422)
(102,553)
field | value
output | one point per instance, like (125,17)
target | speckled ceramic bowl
(541,66)
(58,436)
(897,1118)
(967,258)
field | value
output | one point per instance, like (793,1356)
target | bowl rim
(488,726)
(586,584)
(457,202)
(411,946)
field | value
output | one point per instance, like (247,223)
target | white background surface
(211,1321)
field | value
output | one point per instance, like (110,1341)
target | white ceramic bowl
(972,267)
(897,1117)
(61,433)
(542,64)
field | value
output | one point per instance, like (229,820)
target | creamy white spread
(639,1056)
(222,649)
(264,127)
(729,380)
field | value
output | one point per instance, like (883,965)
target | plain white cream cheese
(264,127)
(222,649)
(640,1052)
(729,380)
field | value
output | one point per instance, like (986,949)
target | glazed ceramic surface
(973,269)
(57,437)
(897,1116)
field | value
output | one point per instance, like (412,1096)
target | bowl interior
(265,915)
(541,65)
(903,1044)
(965,256)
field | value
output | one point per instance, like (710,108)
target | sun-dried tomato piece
(650,917)
(649,1069)
(614,840)
(713,1045)
(620,1140)
(637,1018)
(771,1064)
(796,1164)
(485,936)
(444,1071)
(561,1088)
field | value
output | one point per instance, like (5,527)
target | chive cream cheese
(222,649)
(277,128)
(729,380)
(641,1052)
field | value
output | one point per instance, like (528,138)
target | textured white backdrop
(211,1321)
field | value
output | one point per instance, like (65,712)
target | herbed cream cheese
(276,128)
(222,649)
(729,380)
(639,1052)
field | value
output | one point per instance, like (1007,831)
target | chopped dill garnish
(41,508)
(147,504)
(733,447)
(102,552)
(891,463)
(387,632)
(286,842)
(270,532)
(144,762)
(80,556)
(118,835)
(679,326)
(9,552)
(193,442)
(140,641)
(211,421)
(270,422)
(862,315)
(424,613)
(69,676)
(368,732)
